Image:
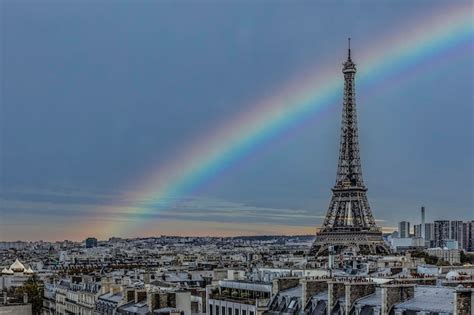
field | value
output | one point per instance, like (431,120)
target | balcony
(240,298)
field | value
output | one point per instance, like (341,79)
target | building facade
(441,232)
(417,231)
(429,234)
(91,242)
(404,229)
(232,297)
(468,236)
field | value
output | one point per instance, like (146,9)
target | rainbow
(299,99)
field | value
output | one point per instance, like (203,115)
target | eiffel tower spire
(349,170)
(349,49)
(349,221)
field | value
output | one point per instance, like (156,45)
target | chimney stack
(463,301)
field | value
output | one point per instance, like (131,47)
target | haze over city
(105,106)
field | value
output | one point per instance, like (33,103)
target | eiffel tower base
(360,242)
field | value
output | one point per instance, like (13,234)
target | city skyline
(130,136)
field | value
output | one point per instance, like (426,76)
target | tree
(34,289)
(467,258)
(430,260)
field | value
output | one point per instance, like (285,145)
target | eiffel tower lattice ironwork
(349,223)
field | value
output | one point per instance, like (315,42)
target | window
(252,313)
(244,312)
(236,312)
(223,310)
(210,309)
(229,311)
(217,309)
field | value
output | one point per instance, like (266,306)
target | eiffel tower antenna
(349,223)
(349,49)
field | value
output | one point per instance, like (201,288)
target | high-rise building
(417,230)
(349,222)
(91,242)
(455,232)
(471,236)
(422,230)
(468,236)
(441,232)
(404,229)
(429,234)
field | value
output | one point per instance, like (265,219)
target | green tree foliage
(431,260)
(34,289)
(467,258)
(442,263)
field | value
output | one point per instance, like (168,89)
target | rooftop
(374,299)
(246,285)
(293,292)
(135,308)
(430,298)
(111,297)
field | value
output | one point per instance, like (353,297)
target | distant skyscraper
(422,231)
(429,234)
(455,232)
(471,236)
(349,222)
(417,230)
(91,242)
(441,232)
(404,229)
(468,236)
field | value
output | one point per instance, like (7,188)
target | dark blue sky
(96,93)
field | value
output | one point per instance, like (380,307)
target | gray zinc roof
(321,296)
(430,298)
(135,308)
(111,297)
(374,299)
(294,292)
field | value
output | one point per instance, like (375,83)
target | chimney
(114,289)
(356,290)
(105,285)
(463,301)
(128,295)
(395,293)
(153,300)
(284,283)
(336,290)
(311,287)
(140,295)
(146,277)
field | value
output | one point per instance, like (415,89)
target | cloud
(23,206)
(47,214)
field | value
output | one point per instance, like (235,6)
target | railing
(239,299)
(86,304)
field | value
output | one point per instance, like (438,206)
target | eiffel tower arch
(349,223)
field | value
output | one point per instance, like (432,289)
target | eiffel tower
(349,223)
